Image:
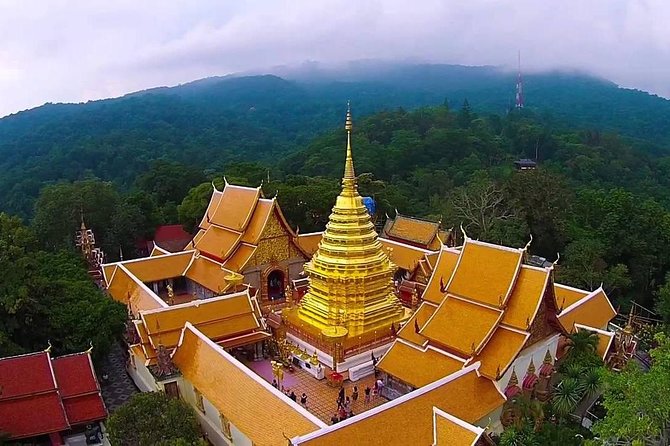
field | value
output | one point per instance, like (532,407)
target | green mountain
(211,122)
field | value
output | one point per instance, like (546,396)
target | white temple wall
(210,419)
(141,375)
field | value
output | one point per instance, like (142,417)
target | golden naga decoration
(350,275)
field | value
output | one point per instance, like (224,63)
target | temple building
(251,311)
(45,400)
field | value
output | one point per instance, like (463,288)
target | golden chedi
(350,275)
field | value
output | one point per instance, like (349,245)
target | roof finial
(465,236)
(48,349)
(525,248)
(558,257)
(90,348)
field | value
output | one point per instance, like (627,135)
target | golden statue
(170,292)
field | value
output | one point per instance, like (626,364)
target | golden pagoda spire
(350,275)
(349,179)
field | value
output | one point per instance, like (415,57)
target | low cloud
(81,50)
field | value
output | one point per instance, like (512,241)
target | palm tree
(566,396)
(581,344)
(590,382)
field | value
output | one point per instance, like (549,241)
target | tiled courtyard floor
(118,388)
(321,398)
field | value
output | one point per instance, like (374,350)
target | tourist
(293,396)
(354,394)
(380,386)
(367,394)
(335,418)
(347,404)
(303,400)
(274,384)
(340,396)
(342,414)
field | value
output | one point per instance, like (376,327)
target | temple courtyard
(321,397)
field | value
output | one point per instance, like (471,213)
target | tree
(663,300)
(482,208)
(154,419)
(192,209)
(585,267)
(637,409)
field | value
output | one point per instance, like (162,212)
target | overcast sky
(71,51)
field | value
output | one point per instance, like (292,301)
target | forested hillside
(599,199)
(207,124)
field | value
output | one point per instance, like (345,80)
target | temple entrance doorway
(276,285)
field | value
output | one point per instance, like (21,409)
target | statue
(170,292)
(315,358)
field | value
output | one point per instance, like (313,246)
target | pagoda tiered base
(356,349)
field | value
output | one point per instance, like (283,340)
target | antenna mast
(519,86)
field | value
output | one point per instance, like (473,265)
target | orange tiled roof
(462,325)
(129,291)
(442,272)
(526,296)
(209,274)
(214,201)
(238,394)
(408,420)
(452,431)
(254,229)
(594,310)
(485,272)
(567,295)
(218,241)
(234,208)
(431,258)
(412,229)
(239,259)
(605,339)
(501,350)
(160,267)
(421,316)
(218,318)
(425,364)
(405,256)
(309,242)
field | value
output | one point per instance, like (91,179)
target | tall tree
(154,419)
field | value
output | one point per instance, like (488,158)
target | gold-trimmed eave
(485,272)
(418,366)
(236,206)
(449,430)
(217,317)
(238,393)
(461,325)
(594,310)
(526,298)
(124,287)
(447,259)
(409,331)
(403,255)
(605,339)
(500,351)
(408,419)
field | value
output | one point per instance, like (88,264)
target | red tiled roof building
(44,396)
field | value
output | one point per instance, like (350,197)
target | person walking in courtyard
(354,394)
(303,400)
(293,396)
(335,418)
(367,395)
